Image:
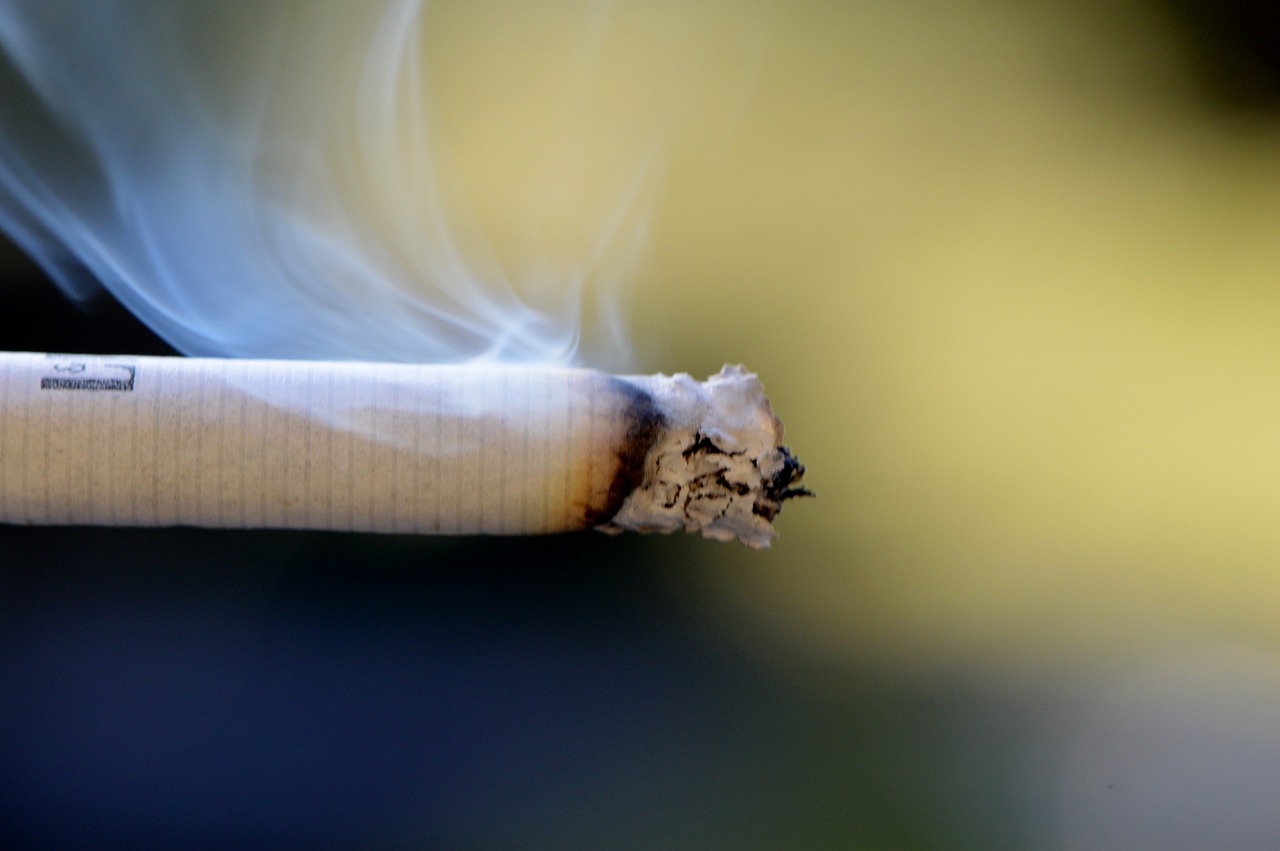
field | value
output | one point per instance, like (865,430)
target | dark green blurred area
(964,642)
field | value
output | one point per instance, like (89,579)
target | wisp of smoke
(270,180)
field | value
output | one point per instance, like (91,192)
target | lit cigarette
(138,441)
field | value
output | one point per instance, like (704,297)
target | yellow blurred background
(1007,272)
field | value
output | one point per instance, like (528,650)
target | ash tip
(719,467)
(782,486)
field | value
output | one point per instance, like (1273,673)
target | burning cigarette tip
(716,464)
(779,489)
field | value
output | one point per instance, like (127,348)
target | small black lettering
(78,381)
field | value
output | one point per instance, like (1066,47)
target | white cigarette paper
(142,441)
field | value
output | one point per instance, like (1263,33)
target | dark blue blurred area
(185,687)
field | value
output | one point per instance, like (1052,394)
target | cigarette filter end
(717,466)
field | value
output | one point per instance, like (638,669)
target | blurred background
(1009,274)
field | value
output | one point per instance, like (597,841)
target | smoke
(281,179)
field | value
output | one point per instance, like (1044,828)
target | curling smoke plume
(272,180)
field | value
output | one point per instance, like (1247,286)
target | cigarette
(396,448)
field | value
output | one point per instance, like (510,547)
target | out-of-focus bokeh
(1009,272)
